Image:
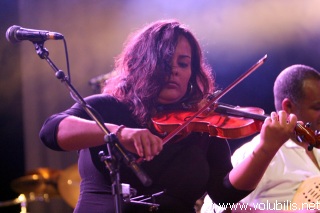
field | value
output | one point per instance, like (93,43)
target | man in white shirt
(296,90)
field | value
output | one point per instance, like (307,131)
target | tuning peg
(310,147)
(300,138)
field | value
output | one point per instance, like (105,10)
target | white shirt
(289,167)
(287,170)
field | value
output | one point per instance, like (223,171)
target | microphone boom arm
(110,138)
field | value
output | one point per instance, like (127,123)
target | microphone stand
(113,159)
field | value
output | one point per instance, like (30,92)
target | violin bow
(214,99)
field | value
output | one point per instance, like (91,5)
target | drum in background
(43,184)
(38,185)
(69,185)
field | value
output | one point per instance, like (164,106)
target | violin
(216,121)
(224,121)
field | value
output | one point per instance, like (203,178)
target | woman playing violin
(160,68)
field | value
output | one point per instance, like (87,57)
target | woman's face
(177,84)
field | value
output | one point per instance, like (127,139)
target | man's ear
(287,105)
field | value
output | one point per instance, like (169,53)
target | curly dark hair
(289,83)
(145,62)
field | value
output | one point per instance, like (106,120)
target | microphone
(16,34)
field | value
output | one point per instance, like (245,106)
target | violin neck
(227,110)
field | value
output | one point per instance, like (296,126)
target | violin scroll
(306,134)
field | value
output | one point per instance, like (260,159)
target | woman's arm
(76,133)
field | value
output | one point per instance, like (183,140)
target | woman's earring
(190,88)
(186,105)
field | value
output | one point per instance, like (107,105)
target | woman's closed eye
(183,64)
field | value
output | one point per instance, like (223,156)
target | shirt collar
(291,144)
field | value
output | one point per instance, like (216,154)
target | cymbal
(69,185)
(41,182)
